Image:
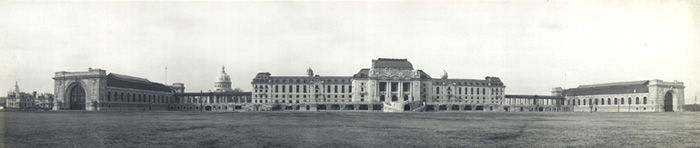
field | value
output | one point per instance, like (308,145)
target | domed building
(223,82)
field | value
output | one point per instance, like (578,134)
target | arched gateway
(77,97)
(668,102)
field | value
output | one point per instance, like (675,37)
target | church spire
(16,87)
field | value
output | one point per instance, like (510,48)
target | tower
(310,72)
(444,74)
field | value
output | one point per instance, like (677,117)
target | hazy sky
(531,45)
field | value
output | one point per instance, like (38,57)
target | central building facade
(390,85)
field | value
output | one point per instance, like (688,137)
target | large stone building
(635,96)
(95,90)
(390,85)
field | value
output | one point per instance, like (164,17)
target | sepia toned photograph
(350,73)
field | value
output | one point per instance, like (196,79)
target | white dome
(223,77)
(223,82)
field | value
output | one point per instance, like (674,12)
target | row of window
(464,83)
(608,101)
(470,91)
(394,86)
(135,97)
(215,99)
(303,88)
(302,101)
(307,81)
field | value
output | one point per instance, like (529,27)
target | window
(382,86)
(437,91)
(596,101)
(394,86)
(645,101)
(615,101)
(608,101)
(342,89)
(579,102)
(406,86)
(636,101)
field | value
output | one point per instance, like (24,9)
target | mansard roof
(609,88)
(423,75)
(364,73)
(125,81)
(392,63)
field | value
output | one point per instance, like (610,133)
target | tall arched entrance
(668,102)
(76,97)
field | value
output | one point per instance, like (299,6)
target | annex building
(634,96)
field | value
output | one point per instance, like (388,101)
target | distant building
(18,100)
(634,96)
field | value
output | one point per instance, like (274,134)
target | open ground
(341,129)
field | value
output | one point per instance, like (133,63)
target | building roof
(423,75)
(392,63)
(609,88)
(125,81)
(363,73)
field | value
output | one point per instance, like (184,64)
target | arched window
(636,100)
(629,100)
(645,100)
(596,101)
(584,101)
(615,101)
(579,101)
(608,101)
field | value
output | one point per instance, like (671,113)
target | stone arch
(76,96)
(668,101)
(407,107)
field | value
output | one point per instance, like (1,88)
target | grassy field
(288,129)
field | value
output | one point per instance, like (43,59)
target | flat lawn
(324,129)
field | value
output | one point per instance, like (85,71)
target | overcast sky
(531,45)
